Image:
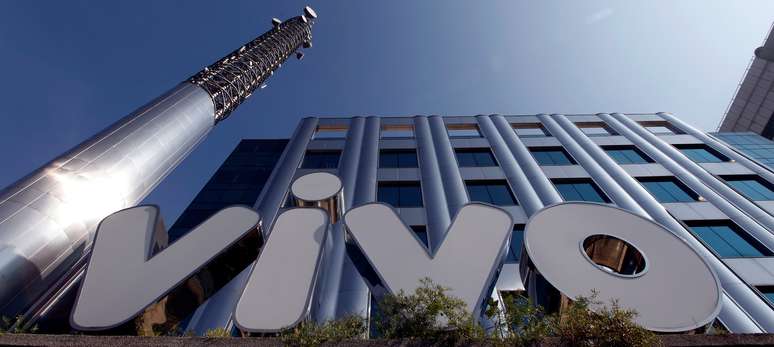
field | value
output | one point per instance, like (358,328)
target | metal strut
(232,79)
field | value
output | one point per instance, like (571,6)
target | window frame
(677,182)
(473,152)
(400,184)
(575,181)
(450,128)
(386,129)
(738,231)
(334,130)
(320,151)
(487,183)
(539,126)
(560,149)
(398,152)
(594,125)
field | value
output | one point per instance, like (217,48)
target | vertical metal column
(737,292)
(453,185)
(748,215)
(595,170)
(526,162)
(719,146)
(436,209)
(732,315)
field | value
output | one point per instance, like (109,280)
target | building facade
(429,167)
(718,201)
(752,108)
(750,144)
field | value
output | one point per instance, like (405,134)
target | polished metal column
(526,162)
(732,315)
(743,309)
(741,210)
(453,185)
(365,187)
(719,146)
(517,179)
(595,170)
(47,219)
(436,207)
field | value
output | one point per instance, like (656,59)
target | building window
(627,155)
(517,239)
(330,132)
(398,158)
(400,194)
(753,187)
(551,156)
(667,189)
(595,129)
(768,293)
(492,192)
(728,240)
(321,160)
(397,132)
(580,190)
(463,130)
(421,232)
(530,130)
(475,157)
(660,128)
(701,153)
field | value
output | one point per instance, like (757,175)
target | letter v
(466,261)
(124,277)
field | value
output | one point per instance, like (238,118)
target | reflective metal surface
(47,220)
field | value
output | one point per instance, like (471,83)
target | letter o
(579,247)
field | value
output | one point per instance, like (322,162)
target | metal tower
(48,218)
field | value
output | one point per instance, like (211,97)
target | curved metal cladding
(741,210)
(212,314)
(732,314)
(47,219)
(514,174)
(453,185)
(536,177)
(719,146)
(743,310)
(436,207)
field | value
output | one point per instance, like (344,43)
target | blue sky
(71,68)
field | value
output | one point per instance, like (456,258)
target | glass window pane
(667,190)
(388,160)
(568,192)
(729,241)
(701,154)
(588,193)
(388,195)
(321,160)
(501,195)
(580,191)
(472,157)
(551,156)
(408,159)
(463,131)
(478,193)
(530,130)
(397,132)
(410,196)
(485,158)
(752,188)
(421,232)
(517,240)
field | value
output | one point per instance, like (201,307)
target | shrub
(521,323)
(218,332)
(604,325)
(16,326)
(310,333)
(429,314)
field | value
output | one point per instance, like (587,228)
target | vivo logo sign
(125,275)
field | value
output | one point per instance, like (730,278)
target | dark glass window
(627,155)
(463,130)
(728,240)
(768,293)
(400,194)
(398,158)
(701,154)
(551,156)
(667,189)
(517,239)
(493,192)
(753,187)
(580,190)
(595,129)
(321,160)
(421,232)
(471,157)
(530,130)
